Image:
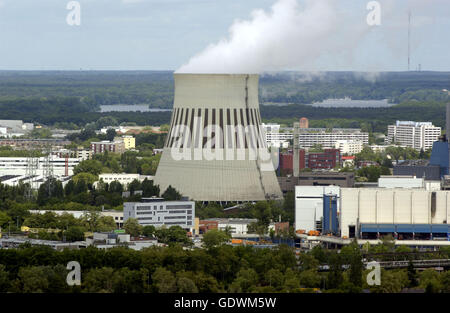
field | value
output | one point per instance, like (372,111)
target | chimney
(296,159)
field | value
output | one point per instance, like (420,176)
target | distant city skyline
(166,34)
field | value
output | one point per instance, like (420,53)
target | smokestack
(296,159)
(209,153)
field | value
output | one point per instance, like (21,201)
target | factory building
(309,205)
(157,212)
(405,213)
(215,149)
(434,169)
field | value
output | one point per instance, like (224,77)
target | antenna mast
(409,38)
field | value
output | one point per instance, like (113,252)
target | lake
(349,103)
(130,108)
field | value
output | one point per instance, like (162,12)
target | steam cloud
(290,36)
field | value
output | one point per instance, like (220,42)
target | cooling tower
(215,149)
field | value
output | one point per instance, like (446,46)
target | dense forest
(65,97)
(219,268)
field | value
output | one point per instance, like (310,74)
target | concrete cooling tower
(215,149)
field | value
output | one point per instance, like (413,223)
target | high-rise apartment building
(416,135)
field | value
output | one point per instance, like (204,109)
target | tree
(132,227)
(164,281)
(335,276)
(4,219)
(412,275)
(171,194)
(110,134)
(148,230)
(186,285)
(4,279)
(74,233)
(214,238)
(88,166)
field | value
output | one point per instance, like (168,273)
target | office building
(157,212)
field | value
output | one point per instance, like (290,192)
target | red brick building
(328,159)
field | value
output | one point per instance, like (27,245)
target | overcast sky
(166,34)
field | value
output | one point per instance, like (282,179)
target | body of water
(349,103)
(130,108)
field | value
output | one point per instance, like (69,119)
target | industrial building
(236,226)
(123,178)
(14,128)
(215,149)
(321,178)
(157,212)
(404,213)
(309,202)
(416,135)
(20,166)
(434,169)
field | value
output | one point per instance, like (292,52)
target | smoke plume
(289,36)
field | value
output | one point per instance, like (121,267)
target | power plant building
(405,213)
(215,149)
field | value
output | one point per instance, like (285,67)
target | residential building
(304,123)
(128,141)
(275,138)
(350,147)
(28,144)
(310,137)
(157,212)
(110,146)
(416,135)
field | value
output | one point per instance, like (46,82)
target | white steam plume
(290,36)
